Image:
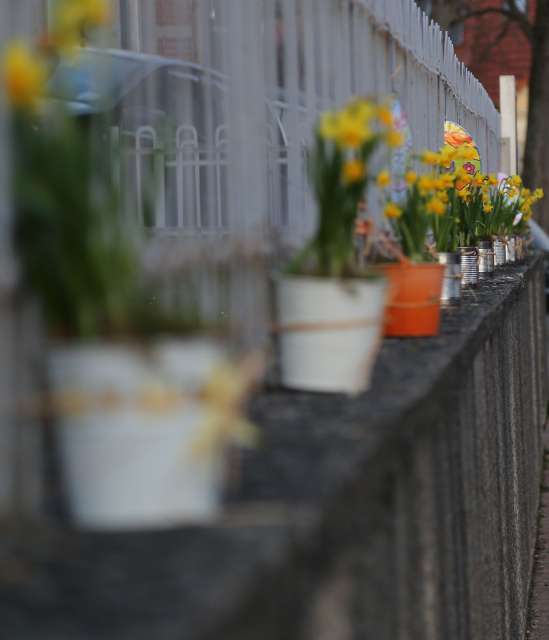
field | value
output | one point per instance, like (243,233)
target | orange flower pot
(414,302)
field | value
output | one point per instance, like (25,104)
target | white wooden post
(508,106)
(130,25)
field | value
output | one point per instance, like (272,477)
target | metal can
(519,248)
(499,252)
(485,259)
(469,267)
(511,249)
(451,283)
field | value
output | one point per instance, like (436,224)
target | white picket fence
(227,159)
(279,63)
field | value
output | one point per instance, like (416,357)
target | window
(521,5)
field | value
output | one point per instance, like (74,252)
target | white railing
(279,63)
(233,162)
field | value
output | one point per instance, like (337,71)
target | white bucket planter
(330,332)
(127,466)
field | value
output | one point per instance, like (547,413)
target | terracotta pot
(414,302)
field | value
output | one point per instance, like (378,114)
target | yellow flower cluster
(432,188)
(528,199)
(383,179)
(73,17)
(357,123)
(446,156)
(23,75)
(24,71)
(353,171)
(392,211)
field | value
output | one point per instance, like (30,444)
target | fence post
(508,106)
(130,25)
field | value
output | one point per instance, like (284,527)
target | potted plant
(416,280)
(144,402)
(445,236)
(511,208)
(330,311)
(474,210)
(466,203)
(526,200)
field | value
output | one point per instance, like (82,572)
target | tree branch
(501,36)
(513,13)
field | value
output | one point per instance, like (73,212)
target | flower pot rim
(395,266)
(128,344)
(375,277)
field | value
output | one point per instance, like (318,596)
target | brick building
(491,45)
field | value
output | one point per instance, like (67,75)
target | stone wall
(406,513)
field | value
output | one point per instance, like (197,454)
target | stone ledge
(323,480)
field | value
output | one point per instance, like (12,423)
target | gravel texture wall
(408,512)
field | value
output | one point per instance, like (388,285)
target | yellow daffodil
(516,181)
(436,206)
(76,14)
(24,75)
(392,210)
(383,179)
(97,13)
(487,207)
(394,138)
(426,184)
(467,153)
(478,180)
(464,194)
(442,196)
(493,180)
(352,132)
(385,115)
(353,171)
(538,194)
(410,178)
(447,156)
(447,179)
(362,109)
(430,157)
(464,177)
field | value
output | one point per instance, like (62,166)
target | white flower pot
(330,332)
(126,466)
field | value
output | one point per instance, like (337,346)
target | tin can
(499,252)
(511,249)
(469,266)
(451,283)
(520,249)
(486,259)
